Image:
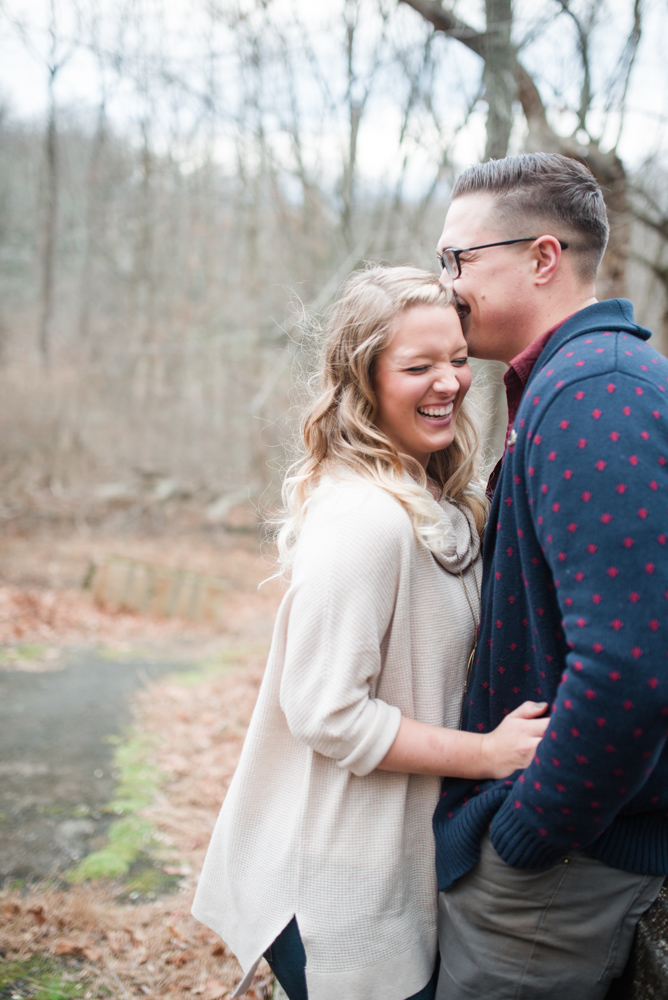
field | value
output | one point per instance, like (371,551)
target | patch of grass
(15,654)
(131,835)
(147,880)
(130,654)
(216,664)
(138,776)
(53,809)
(40,979)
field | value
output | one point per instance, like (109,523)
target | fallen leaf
(215,990)
(135,937)
(38,914)
(262,988)
(69,948)
(185,956)
(177,933)
(219,949)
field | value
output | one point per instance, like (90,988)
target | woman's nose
(446,381)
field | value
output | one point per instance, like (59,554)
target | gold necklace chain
(476,622)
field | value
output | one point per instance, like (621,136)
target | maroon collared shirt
(515,379)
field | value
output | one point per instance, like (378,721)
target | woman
(322,856)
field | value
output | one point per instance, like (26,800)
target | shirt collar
(515,379)
(520,369)
(523,364)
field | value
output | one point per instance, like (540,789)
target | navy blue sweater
(574,597)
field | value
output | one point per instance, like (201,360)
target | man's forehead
(469,222)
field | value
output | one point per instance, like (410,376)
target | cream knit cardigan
(373,626)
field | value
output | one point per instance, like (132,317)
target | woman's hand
(513,743)
(422,749)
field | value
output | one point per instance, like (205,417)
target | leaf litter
(195,724)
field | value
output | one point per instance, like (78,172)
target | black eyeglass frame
(454,270)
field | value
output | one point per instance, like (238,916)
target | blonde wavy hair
(338,432)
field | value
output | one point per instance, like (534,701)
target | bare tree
(224,166)
(57,58)
(499,77)
(583,144)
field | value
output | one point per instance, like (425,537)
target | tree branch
(527,91)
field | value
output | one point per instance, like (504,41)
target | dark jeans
(287,959)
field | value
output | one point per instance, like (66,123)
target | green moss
(147,879)
(128,837)
(132,846)
(218,663)
(15,654)
(126,655)
(41,979)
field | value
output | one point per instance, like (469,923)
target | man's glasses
(451,263)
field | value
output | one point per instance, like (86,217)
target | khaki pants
(562,933)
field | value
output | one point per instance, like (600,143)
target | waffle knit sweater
(373,626)
(575,592)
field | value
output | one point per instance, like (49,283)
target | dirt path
(56,747)
(99,939)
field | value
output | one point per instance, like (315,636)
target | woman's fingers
(529,709)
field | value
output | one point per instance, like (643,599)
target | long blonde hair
(338,431)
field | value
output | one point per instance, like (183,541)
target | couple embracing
(455,781)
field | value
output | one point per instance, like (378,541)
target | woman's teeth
(435,411)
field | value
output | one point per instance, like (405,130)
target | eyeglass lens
(450,263)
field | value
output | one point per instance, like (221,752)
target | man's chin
(475,347)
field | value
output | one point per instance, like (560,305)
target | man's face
(493,287)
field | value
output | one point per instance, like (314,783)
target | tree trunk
(93,196)
(607,168)
(499,77)
(50,223)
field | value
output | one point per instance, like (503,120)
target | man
(545,875)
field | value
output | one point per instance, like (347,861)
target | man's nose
(446,280)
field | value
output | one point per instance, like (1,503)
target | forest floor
(118,738)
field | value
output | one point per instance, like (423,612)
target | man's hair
(539,189)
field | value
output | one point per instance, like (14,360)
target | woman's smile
(437,414)
(421,379)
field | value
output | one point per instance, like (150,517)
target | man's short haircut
(539,190)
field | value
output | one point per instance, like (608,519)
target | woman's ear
(546,254)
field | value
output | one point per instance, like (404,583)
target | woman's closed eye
(420,369)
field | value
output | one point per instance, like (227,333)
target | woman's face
(420,381)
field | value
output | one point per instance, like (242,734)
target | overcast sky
(176,29)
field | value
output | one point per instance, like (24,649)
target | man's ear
(546,254)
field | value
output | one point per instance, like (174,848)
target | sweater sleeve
(344,590)
(597,485)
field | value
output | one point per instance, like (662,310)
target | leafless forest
(183,186)
(202,172)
